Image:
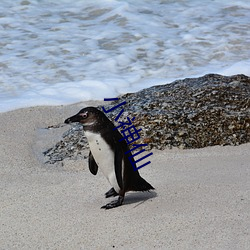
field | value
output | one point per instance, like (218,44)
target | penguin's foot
(111,193)
(113,204)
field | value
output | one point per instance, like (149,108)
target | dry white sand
(201,201)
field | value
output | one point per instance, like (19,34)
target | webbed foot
(111,193)
(113,204)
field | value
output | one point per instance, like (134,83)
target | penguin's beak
(74,118)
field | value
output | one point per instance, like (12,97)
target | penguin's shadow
(137,198)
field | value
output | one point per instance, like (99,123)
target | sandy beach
(201,198)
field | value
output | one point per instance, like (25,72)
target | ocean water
(61,52)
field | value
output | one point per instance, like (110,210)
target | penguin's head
(88,117)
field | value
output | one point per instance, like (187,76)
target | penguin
(108,154)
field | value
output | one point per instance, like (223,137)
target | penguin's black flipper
(118,165)
(92,164)
(111,193)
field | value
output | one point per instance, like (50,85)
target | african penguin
(108,154)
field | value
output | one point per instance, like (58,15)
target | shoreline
(201,198)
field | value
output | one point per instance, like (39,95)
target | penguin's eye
(84,115)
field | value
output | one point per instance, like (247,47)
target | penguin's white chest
(104,157)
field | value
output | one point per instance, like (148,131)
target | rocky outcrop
(190,113)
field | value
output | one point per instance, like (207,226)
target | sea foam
(63,52)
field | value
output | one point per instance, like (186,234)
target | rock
(190,113)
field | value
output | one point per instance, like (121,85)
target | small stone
(182,132)
(147,140)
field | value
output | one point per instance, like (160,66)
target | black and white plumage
(108,154)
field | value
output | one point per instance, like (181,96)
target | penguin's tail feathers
(141,185)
